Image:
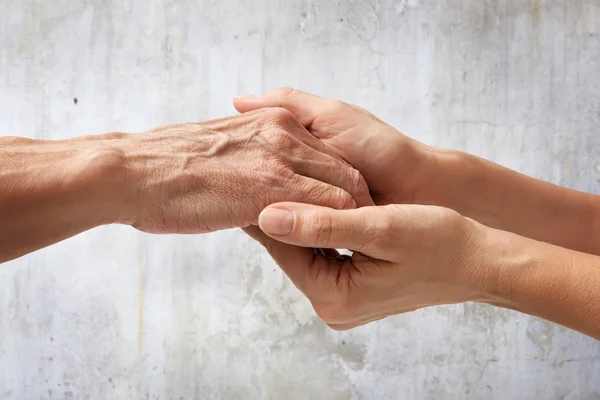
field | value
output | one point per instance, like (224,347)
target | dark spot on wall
(75,100)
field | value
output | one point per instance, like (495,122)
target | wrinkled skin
(203,177)
(394,165)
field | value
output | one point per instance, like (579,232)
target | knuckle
(455,220)
(379,231)
(359,185)
(384,224)
(279,138)
(275,174)
(337,105)
(284,91)
(279,116)
(339,199)
(283,172)
(321,224)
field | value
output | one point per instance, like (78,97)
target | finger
(311,158)
(306,107)
(305,268)
(312,191)
(336,173)
(365,230)
(292,125)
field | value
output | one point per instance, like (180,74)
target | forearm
(51,190)
(543,280)
(504,199)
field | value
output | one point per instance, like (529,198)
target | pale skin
(448,228)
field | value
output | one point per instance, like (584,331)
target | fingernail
(245,97)
(275,221)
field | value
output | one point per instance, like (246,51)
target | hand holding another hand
(405,257)
(395,166)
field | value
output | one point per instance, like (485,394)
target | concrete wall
(116,314)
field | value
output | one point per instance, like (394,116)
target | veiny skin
(188,178)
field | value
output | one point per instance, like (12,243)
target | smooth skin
(448,228)
(189,178)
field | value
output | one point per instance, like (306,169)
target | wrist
(487,254)
(101,174)
(419,167)
(440,178)
(506,260)
(467,184)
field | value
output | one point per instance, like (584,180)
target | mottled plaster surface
(117,314)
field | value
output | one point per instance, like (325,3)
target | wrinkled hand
(393,165)
(406,257)
(202,177)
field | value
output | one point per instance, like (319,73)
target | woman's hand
(408,257)
(405,258)
(400,170)
(394,166)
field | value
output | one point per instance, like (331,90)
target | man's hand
(203,177)
(393,165)
(406,257)
(190,178)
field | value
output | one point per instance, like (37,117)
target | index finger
(305,106)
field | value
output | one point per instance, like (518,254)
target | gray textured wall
(114,313)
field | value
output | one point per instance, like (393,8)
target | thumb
(305,107)
(313,226)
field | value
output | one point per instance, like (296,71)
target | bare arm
(418,256)
(544,280)
(190,178)
(51,190)
(507,200)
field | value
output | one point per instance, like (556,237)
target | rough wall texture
(114,313)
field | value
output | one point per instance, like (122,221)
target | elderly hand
(190,178)
(394,166)
(406,257)
(202,177)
